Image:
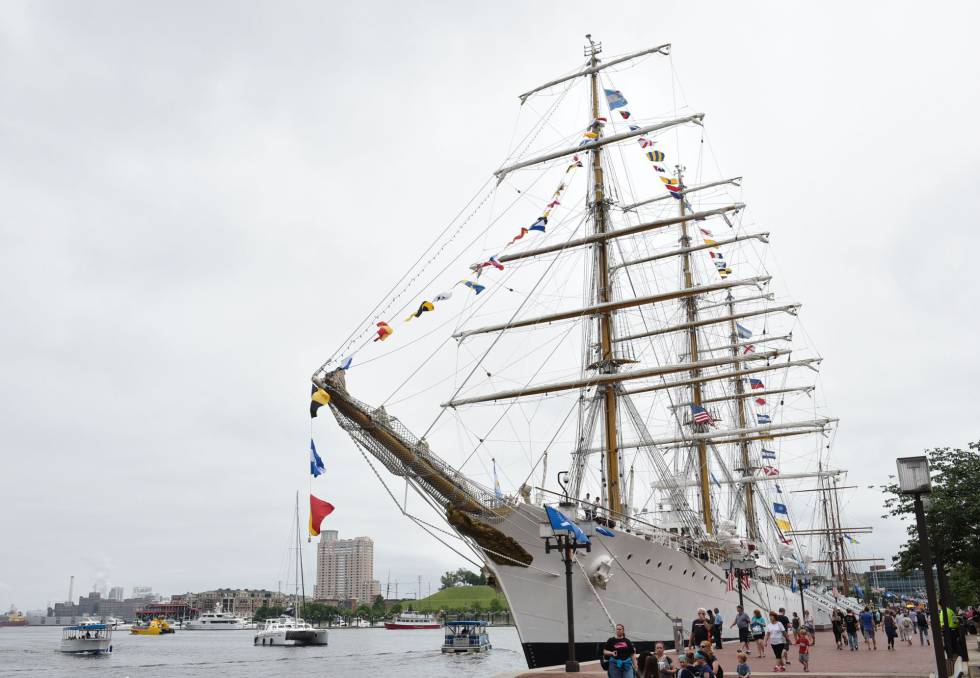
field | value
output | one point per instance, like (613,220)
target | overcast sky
(199,200)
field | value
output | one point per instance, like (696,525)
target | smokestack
(71,589)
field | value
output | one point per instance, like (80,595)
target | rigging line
(636,583)
(551,442)
(377,308)
(410,516)
(497,339)
(511,404)
(595,593)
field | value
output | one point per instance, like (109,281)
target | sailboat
(290,629)
(629,336)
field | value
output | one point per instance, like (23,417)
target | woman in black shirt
(621,653)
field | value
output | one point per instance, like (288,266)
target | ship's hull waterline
(677,582)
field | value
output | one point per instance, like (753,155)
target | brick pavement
(825,661)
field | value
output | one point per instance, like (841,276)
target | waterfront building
(116,593)
(345,568)
(911,585)
(241,602)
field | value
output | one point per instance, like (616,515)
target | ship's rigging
(669,379)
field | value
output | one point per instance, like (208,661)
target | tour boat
(466,636)
(286,630)
(629,335)
(413,620)
(86,639)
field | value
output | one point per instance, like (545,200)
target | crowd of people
(773,633)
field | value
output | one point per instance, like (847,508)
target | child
(742,668)
(685,670)
(804,642)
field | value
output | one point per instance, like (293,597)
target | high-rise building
(142,592)
(345,568)
(116,593)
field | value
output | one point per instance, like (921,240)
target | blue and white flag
(316,464)
(763,418)
(346,363)
(559,522)
(743,332)
(768,454)
(614,98)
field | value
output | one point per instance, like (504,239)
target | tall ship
(618,348)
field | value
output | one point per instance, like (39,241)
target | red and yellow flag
(319,510)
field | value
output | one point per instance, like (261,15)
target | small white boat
(466,636)
(86,639)
(215,621)
(286,630)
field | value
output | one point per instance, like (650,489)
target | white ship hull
(86,645)
(292,637)
(224,625)
(677,582)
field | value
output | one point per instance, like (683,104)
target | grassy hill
(458,597)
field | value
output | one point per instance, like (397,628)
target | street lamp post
(913,479)
(566,542)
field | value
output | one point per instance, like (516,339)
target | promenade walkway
(825,662)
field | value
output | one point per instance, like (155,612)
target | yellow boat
(156,627)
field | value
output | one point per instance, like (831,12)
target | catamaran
(624,330)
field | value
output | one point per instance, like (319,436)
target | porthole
(628,556)
(660,563)
(683,573)
(670,567)
(705,577)
(648,561)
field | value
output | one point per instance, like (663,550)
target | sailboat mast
(831,548)
(606,362)
(692,340)
(751,528)
(297,601)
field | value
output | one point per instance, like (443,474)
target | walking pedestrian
(891,628)
(700,629)
(851,626)
(776,637)
(743,622)
(904,627)
(803,642)
(718,621)
(837,625)
(784,620)
(922,622)
(621,653)
(868,628)
(758,628)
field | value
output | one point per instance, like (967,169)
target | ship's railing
(427,464)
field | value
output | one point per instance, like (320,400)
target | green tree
(378,608)
(396,609)
(951,519)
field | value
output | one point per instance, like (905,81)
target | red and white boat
(413,620)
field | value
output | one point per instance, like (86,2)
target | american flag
(701,415)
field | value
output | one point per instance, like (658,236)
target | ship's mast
(751,528)
(692,337)
(606,361)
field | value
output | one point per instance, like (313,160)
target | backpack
(906,623)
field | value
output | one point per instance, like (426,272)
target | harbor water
(370,653)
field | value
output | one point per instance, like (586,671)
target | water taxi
(156,627)
(466,636)
(86,639)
